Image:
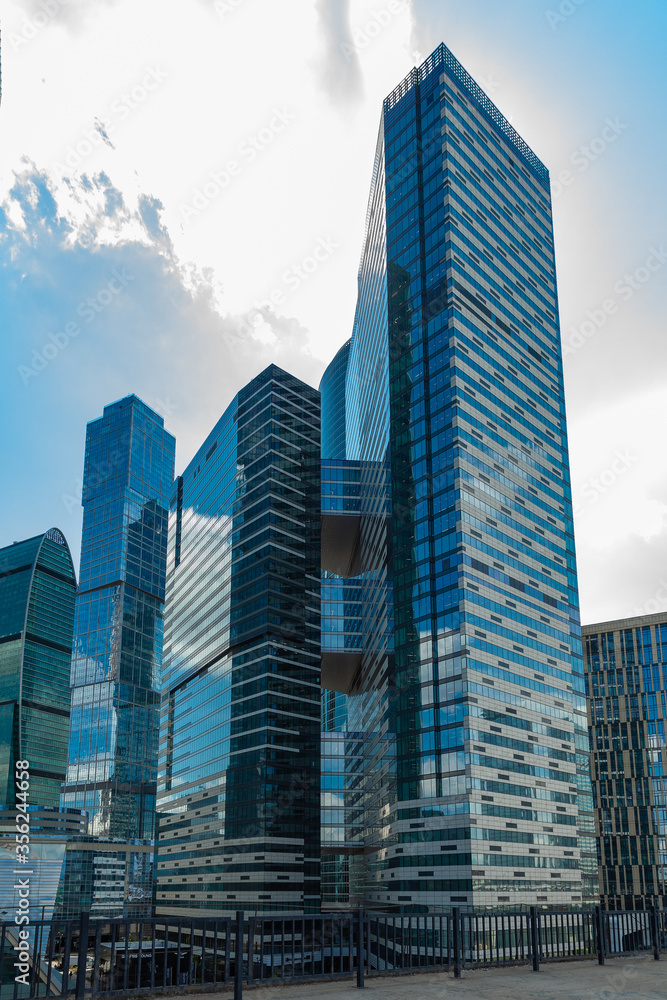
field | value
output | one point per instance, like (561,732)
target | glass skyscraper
(626,682)
(470,693)
(37,588)
(342,631)
(239,785)
(116,660)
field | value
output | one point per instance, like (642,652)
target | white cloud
(179,91)
(619,488)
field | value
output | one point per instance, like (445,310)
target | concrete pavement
(640,978)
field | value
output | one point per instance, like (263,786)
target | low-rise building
(626,687)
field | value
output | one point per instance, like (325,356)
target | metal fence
(169,954)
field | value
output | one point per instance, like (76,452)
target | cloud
(619,490)
(102,132)
(95,305)
(72,13)
(149,210)
(629,579)
(339,71)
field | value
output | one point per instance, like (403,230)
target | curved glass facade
(332,391)
(37,590)
(370,704)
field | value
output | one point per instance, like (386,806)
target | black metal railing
(84,958)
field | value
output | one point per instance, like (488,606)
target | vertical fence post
(238,957)
(360,948)
(655,932)
(84,920)
(599,923)
(535,937)
(251,946)
(456,940)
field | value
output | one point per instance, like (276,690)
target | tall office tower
(626,686)
(239,787)
(478,785)
(332,395)
(342,749)
(116,660)
(37,588)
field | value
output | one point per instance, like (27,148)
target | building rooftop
(443,57)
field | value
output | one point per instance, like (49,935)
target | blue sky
(168,172)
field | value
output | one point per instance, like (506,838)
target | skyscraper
(342,629)
(239,787)
(477,785)
(37,588)
(340,491)
(626,682)
(116,659)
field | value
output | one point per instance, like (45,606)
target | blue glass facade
(352,491)
(37,594)
(342,635)
(341,594)
(626,685)
(341,813)
(50,829)
(37,588)
(239,792)
(475,716)
(332,393)
(117,651)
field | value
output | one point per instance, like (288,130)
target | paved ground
(620,979)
